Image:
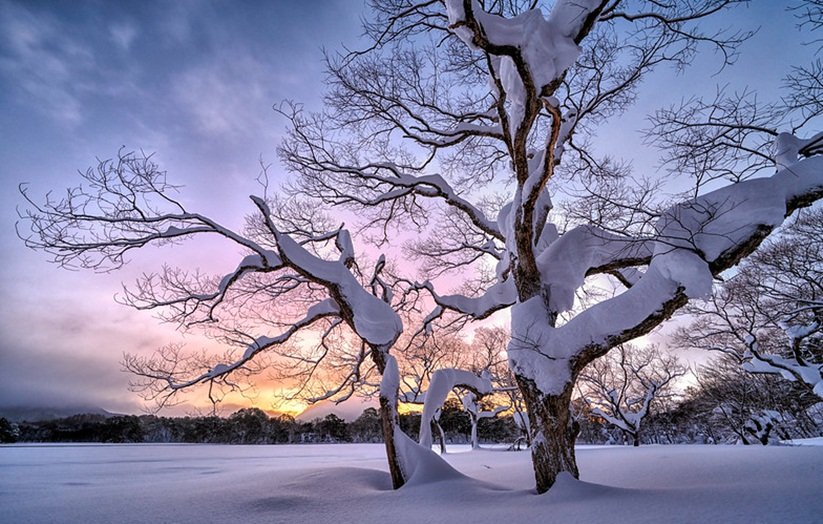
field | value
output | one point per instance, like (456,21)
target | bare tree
(456,101)
(622,386)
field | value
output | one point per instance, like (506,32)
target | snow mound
(422,465)
(568,489)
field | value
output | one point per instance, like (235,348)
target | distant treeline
(695,419)
(246,426)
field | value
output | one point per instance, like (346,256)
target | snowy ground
(342,484)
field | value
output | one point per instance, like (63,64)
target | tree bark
(554,430)
(389,420)
(636,438)
(390,423)
(475,443)
(442,437)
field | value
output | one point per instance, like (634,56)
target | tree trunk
(636,437)
(389,419)
(475,443)
(442,437)
(554,430)
(390,423)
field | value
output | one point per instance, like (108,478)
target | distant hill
(38,414)
(348,411)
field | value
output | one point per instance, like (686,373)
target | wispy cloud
(228,97)
(123,34)
(42,61)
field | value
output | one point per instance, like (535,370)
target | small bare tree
(622,387)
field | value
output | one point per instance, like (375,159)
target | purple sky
(195,83)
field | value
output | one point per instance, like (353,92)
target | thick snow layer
(690,236)
(546,45)
(348,483)
(789,369)
(374,320)
(816,441)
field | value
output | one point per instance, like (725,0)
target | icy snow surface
(348,483)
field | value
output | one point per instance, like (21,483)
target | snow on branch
(795,369)
(498,296)
(695,241)
(370,185)
(584,251)
(528,54)
(369,316)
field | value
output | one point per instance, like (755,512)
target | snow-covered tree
(622,386)
(437,367)
(127,204)
(443,383)
(468,118)
(419,361)
(732,405)
(769,315)
(478,410)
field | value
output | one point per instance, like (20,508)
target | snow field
(349,483)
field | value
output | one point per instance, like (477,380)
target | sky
(193,82)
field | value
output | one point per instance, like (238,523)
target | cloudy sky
(193,82)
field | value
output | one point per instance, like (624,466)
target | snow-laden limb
(375,184)
(432,186)
(581,252)
(534,52)
(497,297)
(766,316)
(370,317)
(794,369)
(443,381)
(432,136)
(809,374)
(695,241)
